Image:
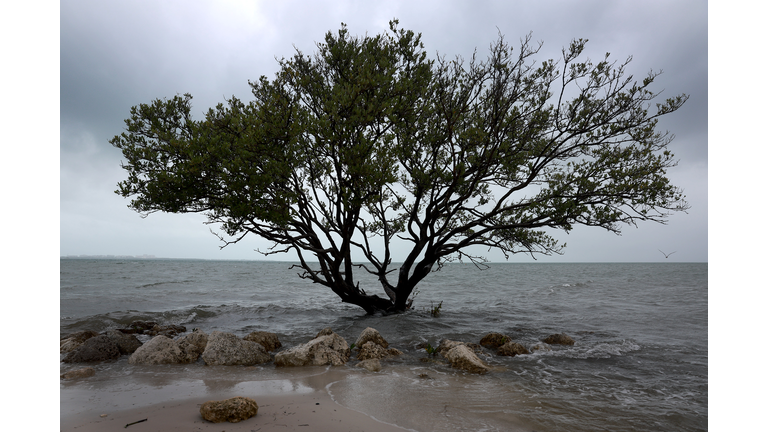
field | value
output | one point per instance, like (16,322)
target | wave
(600,350)
(171,282)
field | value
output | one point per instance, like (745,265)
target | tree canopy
(368,141)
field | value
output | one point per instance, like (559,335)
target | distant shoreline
(110,257)
(155,258)
(152,257)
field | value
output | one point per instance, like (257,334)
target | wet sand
(298,412)
(310,398)
(293,403)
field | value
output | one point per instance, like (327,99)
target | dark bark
(370,303)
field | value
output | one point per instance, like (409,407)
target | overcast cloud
(115,55)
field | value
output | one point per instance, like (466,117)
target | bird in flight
(666,255)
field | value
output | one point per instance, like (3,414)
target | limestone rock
(97,348)
(295,356)
(371,350)
(559,339)
(268,340)
(162,349)
(75,340)
(126,343)
(494,340)
(512,349)
(232,410)
(371,335)
(446,345)
(476,348)
(227,349)
(462,357)
(78,373)
(372,365)
(192,345)
(325,332)
(167,330)
(326,348)
(158,350)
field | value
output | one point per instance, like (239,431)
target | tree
(368,141)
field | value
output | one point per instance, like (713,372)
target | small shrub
(431,350)
(435,312)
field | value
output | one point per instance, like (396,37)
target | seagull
(666,255)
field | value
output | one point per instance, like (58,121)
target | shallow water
(639,362)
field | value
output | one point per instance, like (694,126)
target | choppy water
(639,362)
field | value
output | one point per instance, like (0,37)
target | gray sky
(114,55)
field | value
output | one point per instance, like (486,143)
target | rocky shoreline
(173,345)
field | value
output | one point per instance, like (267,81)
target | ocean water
(639,361)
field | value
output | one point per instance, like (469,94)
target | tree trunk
(402,302)
(370,303)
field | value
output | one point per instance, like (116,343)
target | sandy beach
(309,398)
(300,404)
(298,412)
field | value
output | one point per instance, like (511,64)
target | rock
(268,340)
(75,340)
(232,410)
(168,330)
(326,348)
(559,339)
(158,350)
(512,349)
(371,335)
(97,348)
(371,350)
(462,357)
(446,345)
(163,350)
(192,345)
(494,340)
(78,373)
(126,343)
(197,338)
(372,365)
(325,332)
(541,347)
(371,345)
(227,349)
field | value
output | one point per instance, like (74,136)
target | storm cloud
(114,55)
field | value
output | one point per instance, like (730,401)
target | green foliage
(435,311)
(431,350)
(367,140)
